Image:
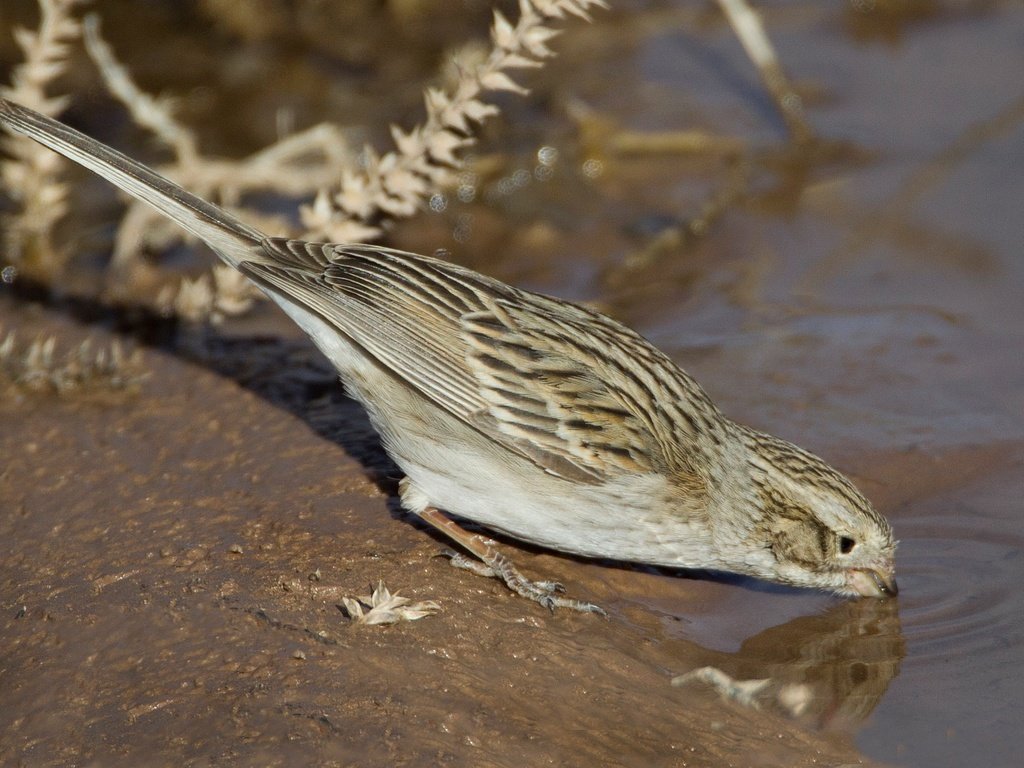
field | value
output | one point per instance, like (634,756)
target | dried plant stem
(384,607)
(746,23)
(32,174)
(892,217)
(673,239)
(397,183)
(625,142)
(153,113)
(297,165)
(354,197)
(38,367)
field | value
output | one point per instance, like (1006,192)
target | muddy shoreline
(172,564)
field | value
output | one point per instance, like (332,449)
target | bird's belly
(462,471)
(619,519)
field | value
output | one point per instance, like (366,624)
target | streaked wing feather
(475,347)
(394,350)
(547,396)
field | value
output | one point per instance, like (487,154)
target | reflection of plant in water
(830,670)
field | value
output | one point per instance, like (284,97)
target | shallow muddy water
(864,299)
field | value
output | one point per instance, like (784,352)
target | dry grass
(351,194)
(41,366)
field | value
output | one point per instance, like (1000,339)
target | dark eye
(846,544)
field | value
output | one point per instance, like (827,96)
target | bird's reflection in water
(829,671)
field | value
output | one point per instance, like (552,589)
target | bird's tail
(233,240)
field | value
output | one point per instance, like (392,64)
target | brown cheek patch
(796,535)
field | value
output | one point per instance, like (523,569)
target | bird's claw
(547,593)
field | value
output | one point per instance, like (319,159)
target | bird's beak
(873,582)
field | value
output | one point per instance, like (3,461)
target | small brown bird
(533,416)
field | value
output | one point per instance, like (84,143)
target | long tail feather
(233,240)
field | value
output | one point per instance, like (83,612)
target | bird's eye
(846,544)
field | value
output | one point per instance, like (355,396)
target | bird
(534,417)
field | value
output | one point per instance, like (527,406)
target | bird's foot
(547,593)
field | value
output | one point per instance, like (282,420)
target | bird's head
(814,528)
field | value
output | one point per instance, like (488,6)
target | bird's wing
(453,335)
(546,395)
(483,351)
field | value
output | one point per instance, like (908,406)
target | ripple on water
(959,586)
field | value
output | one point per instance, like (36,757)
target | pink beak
(870,582)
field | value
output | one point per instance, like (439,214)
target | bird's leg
(496,565)
(503,569)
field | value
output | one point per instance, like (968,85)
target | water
(875,316)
